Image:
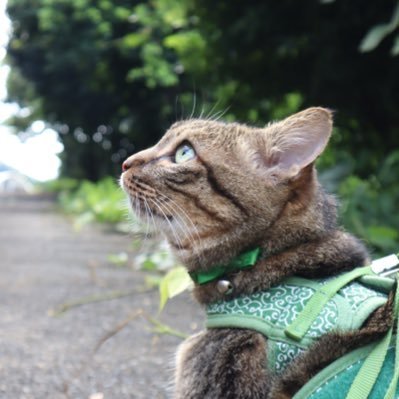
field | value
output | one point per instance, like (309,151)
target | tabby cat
(218,189)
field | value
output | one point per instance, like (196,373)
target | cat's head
(216,189)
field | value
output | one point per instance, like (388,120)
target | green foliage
(369,206)
(379,32)
(185,44)
(110,76)
(58,186)
(101,202)
(173,283)
(162,328)
(119,259)
(98,72)
(271,49)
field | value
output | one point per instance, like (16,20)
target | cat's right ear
(283,149)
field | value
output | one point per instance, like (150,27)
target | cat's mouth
(154,208)
(143,200)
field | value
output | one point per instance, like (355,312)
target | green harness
(298,311)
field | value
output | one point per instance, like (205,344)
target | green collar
(242,261)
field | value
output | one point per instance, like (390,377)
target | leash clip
(386,266)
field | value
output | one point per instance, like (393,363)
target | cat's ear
(284,148)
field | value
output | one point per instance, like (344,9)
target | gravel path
(44,263)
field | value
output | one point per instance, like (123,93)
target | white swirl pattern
(281,305)
(286,353)
(356,294)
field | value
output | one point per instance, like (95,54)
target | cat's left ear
(284,148)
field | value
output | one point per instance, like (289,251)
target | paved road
(44,263)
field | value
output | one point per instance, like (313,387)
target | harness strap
(371,368)
(297,330)
(302,323)
(392,387)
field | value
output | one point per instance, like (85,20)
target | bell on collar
(224,287)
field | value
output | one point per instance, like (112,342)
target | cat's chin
(183,255)
(202,257)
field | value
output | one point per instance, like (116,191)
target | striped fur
(247,187)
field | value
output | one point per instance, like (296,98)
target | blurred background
(84,83)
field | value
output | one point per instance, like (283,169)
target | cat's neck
(311,221)
(303,241)
(330,255)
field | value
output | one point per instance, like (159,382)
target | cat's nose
(125,165)
(134,160)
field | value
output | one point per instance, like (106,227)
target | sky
(37,156)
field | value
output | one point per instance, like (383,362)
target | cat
(217,189)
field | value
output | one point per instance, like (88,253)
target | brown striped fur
(247,187)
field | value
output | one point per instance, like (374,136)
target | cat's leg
(222,364)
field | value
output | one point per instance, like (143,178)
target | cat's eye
(184,153)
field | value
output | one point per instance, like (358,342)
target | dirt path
(44,263)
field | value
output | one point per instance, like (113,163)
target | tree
(108,75)
(270,49)
(103,73)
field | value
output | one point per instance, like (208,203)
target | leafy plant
(119,259)
(101,202)
(173,283)
(370,206)
(379,32)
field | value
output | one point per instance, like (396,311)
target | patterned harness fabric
(271,312)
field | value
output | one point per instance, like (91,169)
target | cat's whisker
(194,234)
(178,240)
(131,217)
(194,104)
(147,214)
(171,201)
(187,237)
(202,112)
(220,114)
(181,111)
(184,213)
(151,213)
(176,101)
(215,115)
(209,115)
(180,222)
(136,218)
(137,206)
